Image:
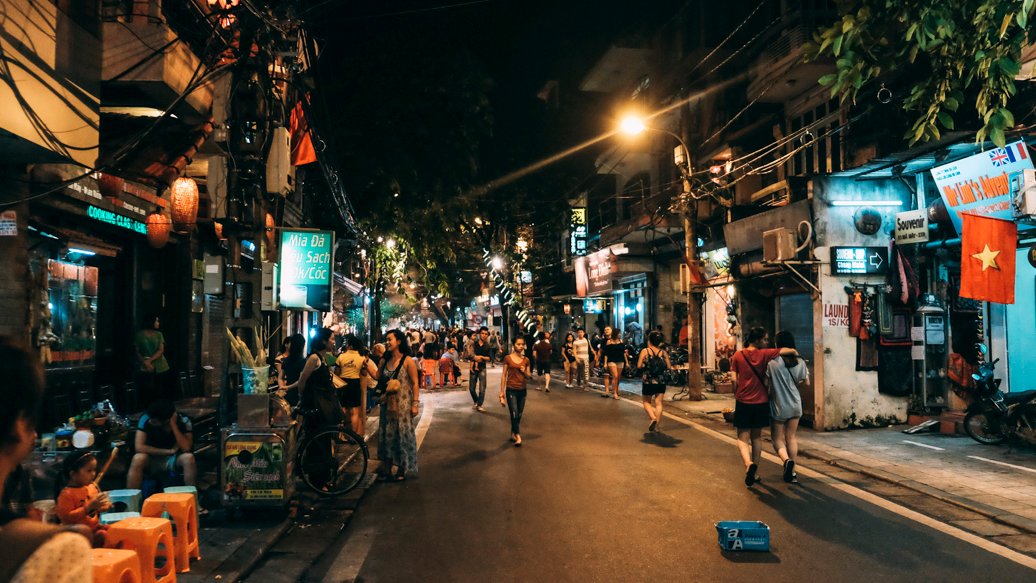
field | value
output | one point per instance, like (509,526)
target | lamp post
(633,126)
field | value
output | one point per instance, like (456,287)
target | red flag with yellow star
(987,259)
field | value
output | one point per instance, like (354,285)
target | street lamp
(633,125)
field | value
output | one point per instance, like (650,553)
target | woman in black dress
(568,357)
(615,360)
(316,391)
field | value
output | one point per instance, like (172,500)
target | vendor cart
(257,463)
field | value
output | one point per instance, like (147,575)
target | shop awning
(349,285)
(75,239)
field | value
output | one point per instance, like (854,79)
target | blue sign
(983,184)
(305,272)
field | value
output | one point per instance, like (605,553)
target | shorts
(543,367)
(751,415)
(351,394)
(161,465)
(651,389)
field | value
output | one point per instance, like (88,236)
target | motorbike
(994,417)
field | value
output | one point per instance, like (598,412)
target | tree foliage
(957,52)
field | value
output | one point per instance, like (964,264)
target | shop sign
(578,228)
(836,315)
(99,214)
(254,470)
(305,273)
(594,306)
(859,260)
(912,227)
(983,184)
(9,224)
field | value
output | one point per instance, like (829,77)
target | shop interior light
(81,251)
(866,203)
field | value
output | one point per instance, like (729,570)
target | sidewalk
(997,482)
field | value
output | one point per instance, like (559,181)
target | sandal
(398,478)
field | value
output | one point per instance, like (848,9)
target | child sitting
(81,501)
(446,370)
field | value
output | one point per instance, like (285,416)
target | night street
(592,497)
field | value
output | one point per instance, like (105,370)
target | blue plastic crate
(743,535)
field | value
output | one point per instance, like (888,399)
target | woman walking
(786,374)
(517,370)
(397,442)
(289,368)
(655,363)
(615,361)
(351,364)
(316,390)
(568,358)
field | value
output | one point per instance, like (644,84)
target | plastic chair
(116,566)
(125,500)
(184,515)
(113,517)
(152,539)
(186,490)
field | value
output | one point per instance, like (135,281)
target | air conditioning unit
(1025,200)
(778,244)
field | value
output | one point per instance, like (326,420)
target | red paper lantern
(184,198)
(158,228)
(110,185)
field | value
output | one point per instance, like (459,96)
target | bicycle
(332,460)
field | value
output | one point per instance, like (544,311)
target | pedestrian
(350,366)
(584,353)
(31,550)
(497,350)
(480,356)
(568,358)
(654,364)
(543,350)
(376,353)
(290,368)
(316,390)
(397,442)
(447,364)
(752,407)
(615,361)
(786,375)
(429,365)
(517,370)
(152,366)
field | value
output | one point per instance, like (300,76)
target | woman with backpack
(786,374)
(654,362)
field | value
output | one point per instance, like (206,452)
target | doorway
(795,314)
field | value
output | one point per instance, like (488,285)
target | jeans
(515,406)
(583,371)
(478,379)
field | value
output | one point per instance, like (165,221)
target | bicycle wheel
(333,461)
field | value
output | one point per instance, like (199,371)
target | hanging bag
(390,400)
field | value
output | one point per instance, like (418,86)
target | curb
(254,556)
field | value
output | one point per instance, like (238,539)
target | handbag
(390,398)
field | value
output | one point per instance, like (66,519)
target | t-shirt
(147,343)
(349,364)
(480,349)
(615,353)
(784,384)
(161,437)
(750,388)
(543,350)
(516,375)
(71,506)
(582,348)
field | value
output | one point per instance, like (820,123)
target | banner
(983,184)
(305,274)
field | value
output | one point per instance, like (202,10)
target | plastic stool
(125,500)
(186,490)
(113,517)
(116,566)
(185,520)
(152,539)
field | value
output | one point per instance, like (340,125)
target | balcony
(49,100)
(138,73)
(778,70)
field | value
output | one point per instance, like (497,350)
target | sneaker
(750,478)
(604,395)
(546,389)
(480,408)
(789,471)
(474,407)
(653,425)
(567,386)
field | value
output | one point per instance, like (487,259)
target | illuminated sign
(115,219)
(305,274)
(859,260)
(578,228)
(983,184)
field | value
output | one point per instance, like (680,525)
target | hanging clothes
(855,311)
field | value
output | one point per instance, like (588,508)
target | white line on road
(1023,468)
(924,445)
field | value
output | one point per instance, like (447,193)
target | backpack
(655,367)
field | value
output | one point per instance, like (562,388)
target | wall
(14,265)
(847,397)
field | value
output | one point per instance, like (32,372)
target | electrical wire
(729,36)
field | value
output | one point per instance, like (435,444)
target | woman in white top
(786,374)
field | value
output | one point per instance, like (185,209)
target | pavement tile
(1024,543)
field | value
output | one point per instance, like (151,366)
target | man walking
(543,350)
(480,354)
(752,408)
(583,355)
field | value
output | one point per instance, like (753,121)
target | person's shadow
(659,439)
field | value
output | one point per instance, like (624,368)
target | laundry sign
(912,227)
(836,315)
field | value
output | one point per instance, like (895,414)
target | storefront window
(67,326)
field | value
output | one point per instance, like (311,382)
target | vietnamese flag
(987,259)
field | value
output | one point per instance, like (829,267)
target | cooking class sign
(305,274)
(983,184)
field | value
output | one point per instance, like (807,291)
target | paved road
(592,497)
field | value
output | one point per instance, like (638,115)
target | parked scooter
(993,417)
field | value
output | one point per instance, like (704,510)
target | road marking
(1023,468)
(923,445)
(426,421)
(1024,560)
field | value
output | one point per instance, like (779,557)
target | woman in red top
(517,371)
(752,409)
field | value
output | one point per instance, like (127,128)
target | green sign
(116,219)
(305,272)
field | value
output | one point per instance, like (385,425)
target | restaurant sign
(305,274)
(594,273)
(983,184)
(99,214)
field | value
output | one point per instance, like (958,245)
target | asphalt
(988,491)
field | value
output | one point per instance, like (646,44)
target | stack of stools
(187,490)
(182,510)
(124,500)
(152,539)
(116,566)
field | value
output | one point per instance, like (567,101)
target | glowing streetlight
(498,263)
(391,243)
(632,125)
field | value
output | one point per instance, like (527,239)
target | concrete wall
(844,396)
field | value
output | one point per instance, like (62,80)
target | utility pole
(690,216)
